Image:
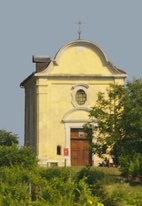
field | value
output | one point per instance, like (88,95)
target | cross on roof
(79,30)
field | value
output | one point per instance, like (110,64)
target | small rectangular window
(58,150)
(53,164)
(80,133)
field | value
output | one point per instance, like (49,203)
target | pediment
(81,57)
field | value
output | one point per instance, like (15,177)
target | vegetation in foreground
(23,182)
(66,187)
(119,128)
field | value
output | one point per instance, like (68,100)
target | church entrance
(80,155)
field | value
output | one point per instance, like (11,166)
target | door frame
(68,126)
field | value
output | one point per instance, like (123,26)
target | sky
(42,27)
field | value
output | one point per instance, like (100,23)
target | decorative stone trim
(81,85)
(66,116)
(76,88)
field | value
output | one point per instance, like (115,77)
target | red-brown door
(80,155)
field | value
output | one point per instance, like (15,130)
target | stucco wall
(79,64)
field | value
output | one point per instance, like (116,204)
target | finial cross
(79,30)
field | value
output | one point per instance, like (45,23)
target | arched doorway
(75,139)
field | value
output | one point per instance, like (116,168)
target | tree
(8,138)
(13,155)
(118,115)
(17,156)
(106,118)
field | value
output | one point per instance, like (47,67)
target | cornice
(81,77)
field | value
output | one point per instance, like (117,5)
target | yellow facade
(51,109)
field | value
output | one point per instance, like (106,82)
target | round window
(80,97)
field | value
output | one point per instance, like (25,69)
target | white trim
(77,88)
(81,85)
(66,116)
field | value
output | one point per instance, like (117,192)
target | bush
(91,176)
(64,173)
(17,156)
(122,195)
(64,187)
(131,165)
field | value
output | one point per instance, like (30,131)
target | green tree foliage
(116,119)
(63,187)
(23,187)
(13,155)
(8,138)
(17,156)
(106,118)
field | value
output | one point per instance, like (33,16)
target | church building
(58,98)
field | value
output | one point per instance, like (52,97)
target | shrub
(91,176)
(122,195)
(131,165)
(64,173)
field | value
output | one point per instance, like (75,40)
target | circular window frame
(76,88)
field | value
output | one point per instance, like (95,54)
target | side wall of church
(30,115)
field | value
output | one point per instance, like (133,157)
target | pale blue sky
(41,27)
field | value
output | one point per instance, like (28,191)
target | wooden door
(80,155)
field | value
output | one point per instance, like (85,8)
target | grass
(115,190)
(110,171)
(112,188)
